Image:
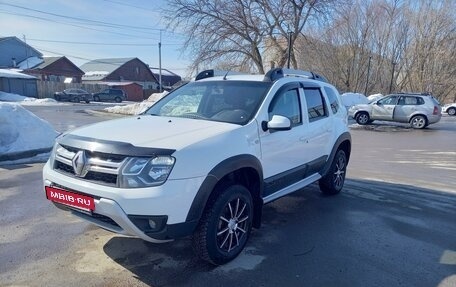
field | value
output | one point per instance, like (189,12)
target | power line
(101,44)
(74,25)
(130,5)
(114,25)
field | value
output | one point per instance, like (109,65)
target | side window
(388,100)
(333,102)
(287,104)
(316,107)
(419,101)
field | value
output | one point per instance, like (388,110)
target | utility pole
(368,71)
(160,62)
(26,52)
(392,77)
(289,48)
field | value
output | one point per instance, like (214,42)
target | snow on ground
(21,130)
(136,108)
(8,97)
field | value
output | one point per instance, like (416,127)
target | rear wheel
(76,100)
(451,111)
(225,226)
(362,118)
(333,181)
(96,98)
(418,122)
(118,100)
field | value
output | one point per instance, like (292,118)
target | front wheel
(96,98)
(362,118)
(118,100)
(418,122)
(451,111)
(76,100)
(333,181)
(225,226)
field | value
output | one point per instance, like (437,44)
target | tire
(333,182)
(87,101)
(76,100)
(418,122)
(118,100)
(96,98)
(451,111)
(225,226)
(57,98)
(362,118)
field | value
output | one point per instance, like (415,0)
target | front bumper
(128,211)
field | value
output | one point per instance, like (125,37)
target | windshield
(224,101)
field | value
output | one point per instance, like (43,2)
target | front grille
(101,168)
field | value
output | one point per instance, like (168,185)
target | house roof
(48,61)
(99,69)
(107,65)
(165,72)
(21,42)
(5,73)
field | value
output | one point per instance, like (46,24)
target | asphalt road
(394,224)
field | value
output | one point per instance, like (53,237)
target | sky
(84,30)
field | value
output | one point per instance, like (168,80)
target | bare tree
(241,32)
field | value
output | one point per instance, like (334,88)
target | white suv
(204,159)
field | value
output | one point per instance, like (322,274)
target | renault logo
(79,164)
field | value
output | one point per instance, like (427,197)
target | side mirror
(277,123)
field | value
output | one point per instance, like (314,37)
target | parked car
(420,110)
(204,159)
(116,95)
(450,109)
(73,95)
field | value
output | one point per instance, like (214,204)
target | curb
(23,154)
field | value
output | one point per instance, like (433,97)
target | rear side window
(333,102)
(316,107)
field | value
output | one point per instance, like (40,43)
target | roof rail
(277,73)
(215,73)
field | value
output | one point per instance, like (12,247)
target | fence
(47,89)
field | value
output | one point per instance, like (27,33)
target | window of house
(316,108)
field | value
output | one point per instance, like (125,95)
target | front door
(383,109)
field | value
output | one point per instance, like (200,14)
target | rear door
(406,106)
(383,109)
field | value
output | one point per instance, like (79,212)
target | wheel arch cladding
(342,142)
(242,169)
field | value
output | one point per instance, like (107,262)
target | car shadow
(373,234)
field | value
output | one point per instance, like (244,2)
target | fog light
(152,224)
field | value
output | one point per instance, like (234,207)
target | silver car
(420,110)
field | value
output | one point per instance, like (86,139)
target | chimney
(14,62)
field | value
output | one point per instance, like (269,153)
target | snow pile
(21,130)
(96,73)
(374,97)
(4,73)
(352,99)
(137,108)
(8,97)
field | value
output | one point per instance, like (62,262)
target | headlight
(144,172)
(52,155)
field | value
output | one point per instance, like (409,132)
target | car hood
(155,132)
